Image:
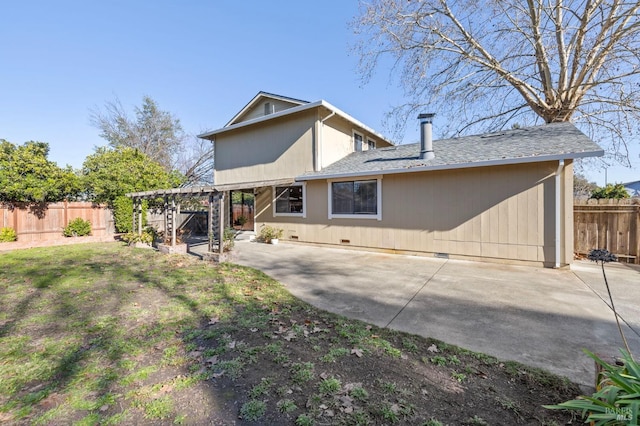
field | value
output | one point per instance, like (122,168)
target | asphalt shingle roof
(542,143)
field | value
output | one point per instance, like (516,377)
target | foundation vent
(294,237)
(345,241)
(441,255)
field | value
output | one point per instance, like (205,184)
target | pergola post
(173,221)
(212,200)
(221,225)
(139,217)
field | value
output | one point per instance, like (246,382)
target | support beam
(212,200)
(221,225)
(173,221)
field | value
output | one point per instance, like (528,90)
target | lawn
(106,334)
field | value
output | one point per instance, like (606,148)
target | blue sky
(200,60)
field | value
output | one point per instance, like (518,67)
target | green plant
(617,398)
(123,212)
(228,239)
(304,420)
(240,221)
(132,238)
(286,406)
(330,386)
(268,233)
(253,410)
(359,393)
(78,227)
(616,191)
(460,377)
(433,422)
(479,421)
(302,372)
(8,235)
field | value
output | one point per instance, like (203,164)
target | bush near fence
(45,222)
(608,224)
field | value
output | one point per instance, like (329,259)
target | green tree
(113,172)
(483,65)
(154,132)
(26,175)
(616,191)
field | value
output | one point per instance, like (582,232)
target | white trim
(558,210)
(377,216)
(294,110)
(304,201)
(427,168)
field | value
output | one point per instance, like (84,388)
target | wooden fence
(45,222)
(613,225)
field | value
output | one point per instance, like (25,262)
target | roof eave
(488,163)
(295,110)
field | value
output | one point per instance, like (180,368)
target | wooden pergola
(216,197)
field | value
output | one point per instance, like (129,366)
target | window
(289,200)
(360,198)
(371,144)
(357,141)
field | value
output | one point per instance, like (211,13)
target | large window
(289,200)
(355,198)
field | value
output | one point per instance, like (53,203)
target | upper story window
(355,199)
(357,141)
(289,200)
(371,144)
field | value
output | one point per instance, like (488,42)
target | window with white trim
(357,141)
(371,144)
(355,199)
(289,200)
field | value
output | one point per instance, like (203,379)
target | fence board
(613,225)
(41,223)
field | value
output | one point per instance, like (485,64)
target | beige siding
(258,110)
(502,213)
(337,140)
(282,148)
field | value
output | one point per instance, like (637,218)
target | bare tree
(195,161)
(155,132)
(490,64)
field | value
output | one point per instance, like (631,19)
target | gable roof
(302,107)
(258,98)
(556,141)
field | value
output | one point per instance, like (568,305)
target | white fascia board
(490,163)
(293,111)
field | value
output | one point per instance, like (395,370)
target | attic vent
(269,108)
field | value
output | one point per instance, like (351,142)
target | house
(633,188)
(326,178)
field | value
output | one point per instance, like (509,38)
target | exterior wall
(279,149)
(258,110)
(337,140)
(505,213)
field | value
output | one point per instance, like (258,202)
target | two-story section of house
(326,178)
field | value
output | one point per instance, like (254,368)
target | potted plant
(269,234)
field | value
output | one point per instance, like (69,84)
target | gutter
(558,211)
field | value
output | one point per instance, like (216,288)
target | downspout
(318,159)
(558,210)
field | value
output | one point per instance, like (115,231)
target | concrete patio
(540,317)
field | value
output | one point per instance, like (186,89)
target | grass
(106,334)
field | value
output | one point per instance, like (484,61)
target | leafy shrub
(268,233)
(145,237)
(240,221)
(616,191)
(7,235)
(617,398)
(228,239)
(78,227)
(123,213)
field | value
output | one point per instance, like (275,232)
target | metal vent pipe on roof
(426,139)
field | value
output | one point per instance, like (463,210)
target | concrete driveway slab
(540,317)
